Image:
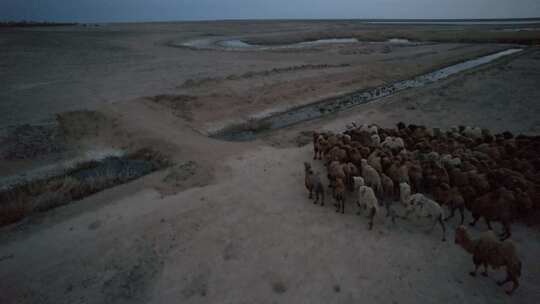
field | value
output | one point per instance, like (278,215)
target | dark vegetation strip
(85,179)
(203,81)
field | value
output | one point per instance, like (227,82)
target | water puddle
(399,41)
(250,130)
(196,44)
(240,45)
(326,41)
(115,168)
(237,44)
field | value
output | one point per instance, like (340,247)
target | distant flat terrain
(53,69)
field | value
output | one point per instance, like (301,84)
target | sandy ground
(241,228)
(45,71)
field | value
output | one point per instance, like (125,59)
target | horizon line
(285,19)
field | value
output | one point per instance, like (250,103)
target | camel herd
(494,176)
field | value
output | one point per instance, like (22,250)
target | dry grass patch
(81,181)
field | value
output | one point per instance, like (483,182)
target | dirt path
(252,237)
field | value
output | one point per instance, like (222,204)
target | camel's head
(404,188)
(358,181)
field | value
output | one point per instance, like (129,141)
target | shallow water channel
(250,130)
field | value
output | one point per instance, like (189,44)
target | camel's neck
(405,197)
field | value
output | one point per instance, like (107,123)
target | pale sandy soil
(241,228)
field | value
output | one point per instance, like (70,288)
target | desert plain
(230,221)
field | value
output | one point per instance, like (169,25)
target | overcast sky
(157,10)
